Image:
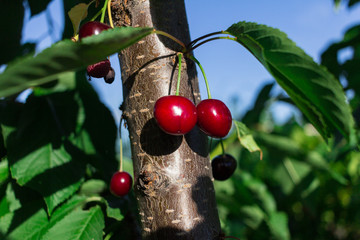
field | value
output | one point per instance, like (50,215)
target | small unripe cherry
(214,118)
(120,184)
(175,115)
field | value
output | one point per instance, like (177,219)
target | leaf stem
(204,75)
(171,37)
(179,75)
(205,36)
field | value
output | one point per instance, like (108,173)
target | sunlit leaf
(67,56)
(317,93)
(78,225)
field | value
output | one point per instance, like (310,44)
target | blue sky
(231,70)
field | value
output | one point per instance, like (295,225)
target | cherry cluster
(103,68)
(177,115)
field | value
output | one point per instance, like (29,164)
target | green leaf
(4,171)
(27,223)
(93,187)
(312,88)
(65,209)
(78,225)
(66,56)
(245,138)
(278,224)
(50,171)
(113,208)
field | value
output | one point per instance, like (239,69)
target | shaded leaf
(78,225)
(4,171)
(252,116)
(278,224)
(93,187)
(312,88)
(27,223)
(66,56)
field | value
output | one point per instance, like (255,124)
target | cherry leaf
(246,139)
(77,14)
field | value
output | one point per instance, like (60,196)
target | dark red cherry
(214,118)
(120,184)
(175,115)
(223,166)
(99,69)
(110,76)
(92,28)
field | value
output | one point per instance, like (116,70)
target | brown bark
(172,174)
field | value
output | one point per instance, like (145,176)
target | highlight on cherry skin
(223,166)
(175,115)
(214,118)
(120,184)
(92,28)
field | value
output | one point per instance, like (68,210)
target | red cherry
(120,184)
(100,69)
(223,166)
(175,115)
(92,28)
(214,118)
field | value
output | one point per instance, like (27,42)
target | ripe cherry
(120,183)
(223,166)
(92,28)
(175,115)
(99,69)
(214,118)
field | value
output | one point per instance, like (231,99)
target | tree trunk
(172,174)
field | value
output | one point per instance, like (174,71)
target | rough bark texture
(173,181)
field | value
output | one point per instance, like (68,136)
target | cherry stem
(212,39)
(109,14)
(222,147)
(204,75)
(179,75)
(205,36)
(103,10)
(171,37)
(121,146)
